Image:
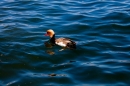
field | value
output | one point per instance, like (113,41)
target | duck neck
(52,40)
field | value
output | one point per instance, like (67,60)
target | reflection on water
(50,52)
(49,45)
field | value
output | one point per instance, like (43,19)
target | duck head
(50,33)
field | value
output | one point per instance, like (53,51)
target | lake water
(101,29)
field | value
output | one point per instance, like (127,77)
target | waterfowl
(63,42)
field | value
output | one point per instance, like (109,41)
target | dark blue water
(101,29)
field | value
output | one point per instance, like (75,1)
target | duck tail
(71,45)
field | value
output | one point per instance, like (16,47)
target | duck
(63,42)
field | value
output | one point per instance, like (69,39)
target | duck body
(63,42)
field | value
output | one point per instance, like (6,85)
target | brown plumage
(63,42)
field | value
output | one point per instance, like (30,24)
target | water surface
(100,28)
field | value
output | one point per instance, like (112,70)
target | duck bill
(46,34)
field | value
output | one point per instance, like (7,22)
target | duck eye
(48,32)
